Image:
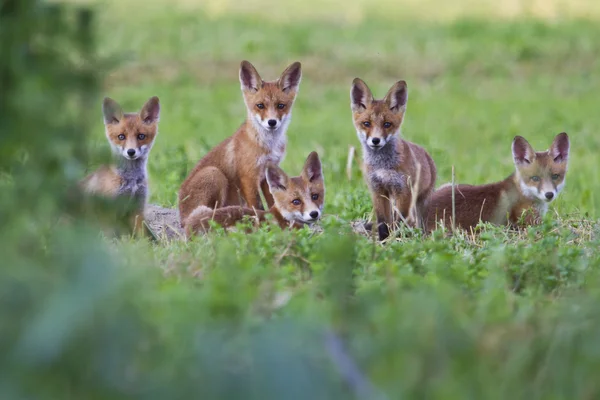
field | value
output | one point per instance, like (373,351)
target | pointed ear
(276,178)
(559,151)
(397,96)
(249,78)
(312,170)
(112,111)
(522,151)
(360,95)
(290,78)
(151,111)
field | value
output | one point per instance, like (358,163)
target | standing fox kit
(233,173)
(537,181)
(297,201)
(395,169)
(130,136)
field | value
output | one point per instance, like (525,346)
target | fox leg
(251,194)
(383,214)
(525,217)
(423,209)
(210,188)
(267,193)
(402,210)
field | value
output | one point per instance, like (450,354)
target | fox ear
(290,78)
(249,77)
(397,96)
(559,151)
(112,111)
(151,111)
(312,170)
(276,179)
(360,95)
(522,151)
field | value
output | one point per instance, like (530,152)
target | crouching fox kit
(297,201)
(522,198)
(395,170)
(130,136)
(233,173)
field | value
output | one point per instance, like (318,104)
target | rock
(163,222)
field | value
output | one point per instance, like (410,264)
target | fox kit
(233,173)
(297,201)
(131,136)
(537,181)
(395,169)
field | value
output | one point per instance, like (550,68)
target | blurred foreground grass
(291,314)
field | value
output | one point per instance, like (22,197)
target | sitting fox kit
(522,198)
(233,173)
(297,201)
(396,170)
(225,185)
(130,136)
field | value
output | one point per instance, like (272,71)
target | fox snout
(131,153)
(269,122)
(311,216)
(376,142)
(548,193)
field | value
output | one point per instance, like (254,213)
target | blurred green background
(294,314)
(521,68)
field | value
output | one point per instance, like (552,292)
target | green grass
(234,315)
(473,86)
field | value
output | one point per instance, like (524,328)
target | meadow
(278,314)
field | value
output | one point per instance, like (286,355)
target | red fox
(297,201)
(395,169)
(537,181)
(233,173)
(131,136)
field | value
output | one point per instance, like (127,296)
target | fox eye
(387,124)
(366,124)
(141,136)
(281,106)
(555,176)
(121,137)
(314,196)
(535,178)
(260,106)
(296,202)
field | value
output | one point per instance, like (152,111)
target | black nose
(131,152)
(272,122)
(549,195)
(375,141)
(314,214)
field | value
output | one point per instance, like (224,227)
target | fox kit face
(541,174)
(377,121)
(299,199)
(131,135)
(270,103)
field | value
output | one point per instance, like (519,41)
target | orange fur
(233,173)
(131,136)
(396,170)
(519,200)
(298,201)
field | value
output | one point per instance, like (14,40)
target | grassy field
(335,315)
(473,85)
